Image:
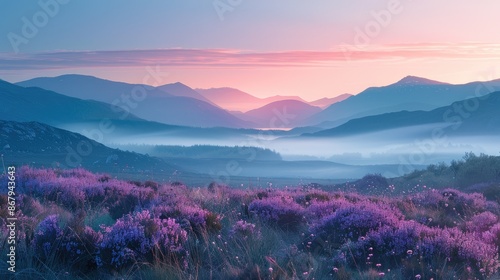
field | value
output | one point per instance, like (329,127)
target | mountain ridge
(483,121)
(283,113)
(398,97)
(146,102)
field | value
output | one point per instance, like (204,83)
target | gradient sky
(308,48)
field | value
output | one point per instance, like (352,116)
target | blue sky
(263,27)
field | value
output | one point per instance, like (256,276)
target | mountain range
(175,114)
(280,114)
(411,94)
(153,104)
(236,100)
(37,104)
(178,104)
(89,117)
(474,116)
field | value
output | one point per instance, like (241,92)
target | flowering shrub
(461,248)
(311,196)
(318,210)
(482,222)
(47,237)
(139,237)
(350,235)
(245,230)
(411,243)
(492,236)
(79,247)
(197,219)
(352,222)
(395,242)
(461,202)
(281,211)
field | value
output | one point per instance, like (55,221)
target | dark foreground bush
(140,238)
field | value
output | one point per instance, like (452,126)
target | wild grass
(79,225)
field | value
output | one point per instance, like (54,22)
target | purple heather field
(78,224)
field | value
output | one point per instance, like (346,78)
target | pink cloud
(241,58)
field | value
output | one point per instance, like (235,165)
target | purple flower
(245,230)
(482,222)
(47,235)
(136,237)
(281,211)
(353,221)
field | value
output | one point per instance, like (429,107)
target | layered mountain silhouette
(474,116)
(77,115)
(36,104)
(284,114)
(408,102)
(144,101)
(411,93)
(393,115)
(233,99)
(180,89)
(325,102)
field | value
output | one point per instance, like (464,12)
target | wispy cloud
(242,58)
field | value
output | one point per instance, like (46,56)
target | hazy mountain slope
(483,119)
(180,89)
(39,144)
(144,101)
(411,93)
(325,102)
(82,116)
(87,87)
(236,100)
(36,104)
(285,113)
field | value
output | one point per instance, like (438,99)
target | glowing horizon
(264,49)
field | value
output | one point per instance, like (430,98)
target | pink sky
(309,74)
(313,50)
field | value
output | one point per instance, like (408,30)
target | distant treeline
(467,172)
(205,151)
(473,173)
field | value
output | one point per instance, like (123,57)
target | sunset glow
(323,50)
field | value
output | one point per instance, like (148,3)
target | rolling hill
(38,144)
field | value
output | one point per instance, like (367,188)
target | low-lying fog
(388,147)
(390,152)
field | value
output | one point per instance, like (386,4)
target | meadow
(74,224)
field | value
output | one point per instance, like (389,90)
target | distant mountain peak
(414,80)
(178,84)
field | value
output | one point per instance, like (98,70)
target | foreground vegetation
(73,224)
